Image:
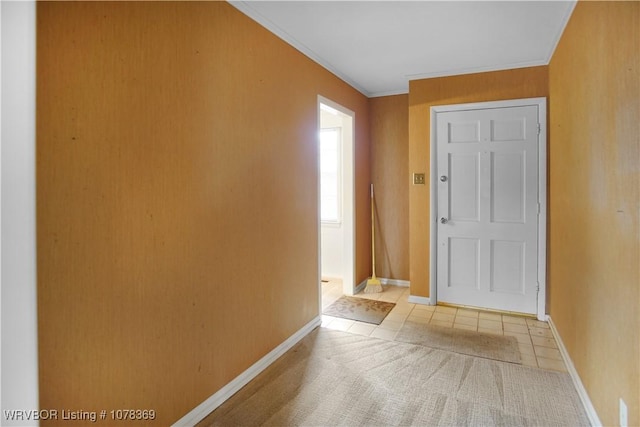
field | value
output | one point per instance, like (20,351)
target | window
(330,175)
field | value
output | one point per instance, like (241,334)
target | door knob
(443,178)
(444,220)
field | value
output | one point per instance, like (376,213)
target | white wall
(332,235)
(332,251)
(19,363)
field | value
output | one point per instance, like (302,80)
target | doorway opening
(336,216)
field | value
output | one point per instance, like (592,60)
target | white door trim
(541,103)
(19,388)
(349,203)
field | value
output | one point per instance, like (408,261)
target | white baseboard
(419,300)
(205,408)
(394,282)
(384,281)
(577,382)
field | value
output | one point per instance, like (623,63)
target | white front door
(487,208)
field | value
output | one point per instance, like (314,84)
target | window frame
(339,178)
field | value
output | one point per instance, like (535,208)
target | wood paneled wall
(594,248)
(390,175)
(177,204)
(423,94)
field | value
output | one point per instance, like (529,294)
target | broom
(373,284)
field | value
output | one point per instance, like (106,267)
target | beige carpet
(360,309)
(334,378)
(489,346)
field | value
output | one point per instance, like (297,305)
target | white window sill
(333,224)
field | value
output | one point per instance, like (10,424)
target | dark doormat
(360,309)
(496,347)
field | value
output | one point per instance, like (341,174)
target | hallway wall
(423,94)
(390,175)
(177,204)
(594,167)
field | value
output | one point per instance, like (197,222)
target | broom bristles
(373,286)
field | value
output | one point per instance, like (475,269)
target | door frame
(541,103)
(348,202)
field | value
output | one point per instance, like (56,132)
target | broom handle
(373,236)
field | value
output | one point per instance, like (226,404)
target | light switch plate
(418,179)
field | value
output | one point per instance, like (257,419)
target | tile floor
(537,344)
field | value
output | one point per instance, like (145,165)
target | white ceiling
(378,46)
